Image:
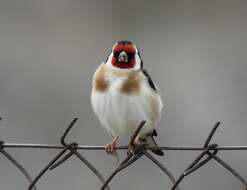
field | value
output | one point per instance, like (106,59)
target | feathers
(100,82)
(121,107)
(155,134)
(150,82)
(132,84)
(124,94)
(149,139)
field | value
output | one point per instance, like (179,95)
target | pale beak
(123,57)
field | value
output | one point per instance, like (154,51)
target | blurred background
(195,51)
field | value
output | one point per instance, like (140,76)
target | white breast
(121,113)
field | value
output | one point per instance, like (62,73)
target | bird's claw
(136,148)
(110,148)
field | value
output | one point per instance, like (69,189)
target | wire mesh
(135,151)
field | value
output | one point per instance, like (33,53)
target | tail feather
(151,142)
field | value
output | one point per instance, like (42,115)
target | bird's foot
(111,147)
(136,147)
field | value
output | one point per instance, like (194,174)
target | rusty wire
(208,152)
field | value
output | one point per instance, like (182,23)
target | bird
(123,94)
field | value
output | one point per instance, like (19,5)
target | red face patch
(130,50)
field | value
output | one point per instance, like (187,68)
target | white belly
(120,114)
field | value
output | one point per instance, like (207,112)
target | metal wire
(163,168)
(19,166)
(135,152)
(73,151)
(101,147)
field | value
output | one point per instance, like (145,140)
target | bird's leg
(137,140)
(135,144)
(110,148)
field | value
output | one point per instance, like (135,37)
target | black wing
(150,82)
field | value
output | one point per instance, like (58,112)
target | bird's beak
(123,57)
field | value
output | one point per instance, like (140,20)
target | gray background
(196,51)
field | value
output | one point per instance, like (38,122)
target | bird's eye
(131,55)
(116,54)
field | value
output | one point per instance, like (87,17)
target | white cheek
(137,64)
(108,62)
(138,61)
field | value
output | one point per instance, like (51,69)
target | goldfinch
(123,94)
